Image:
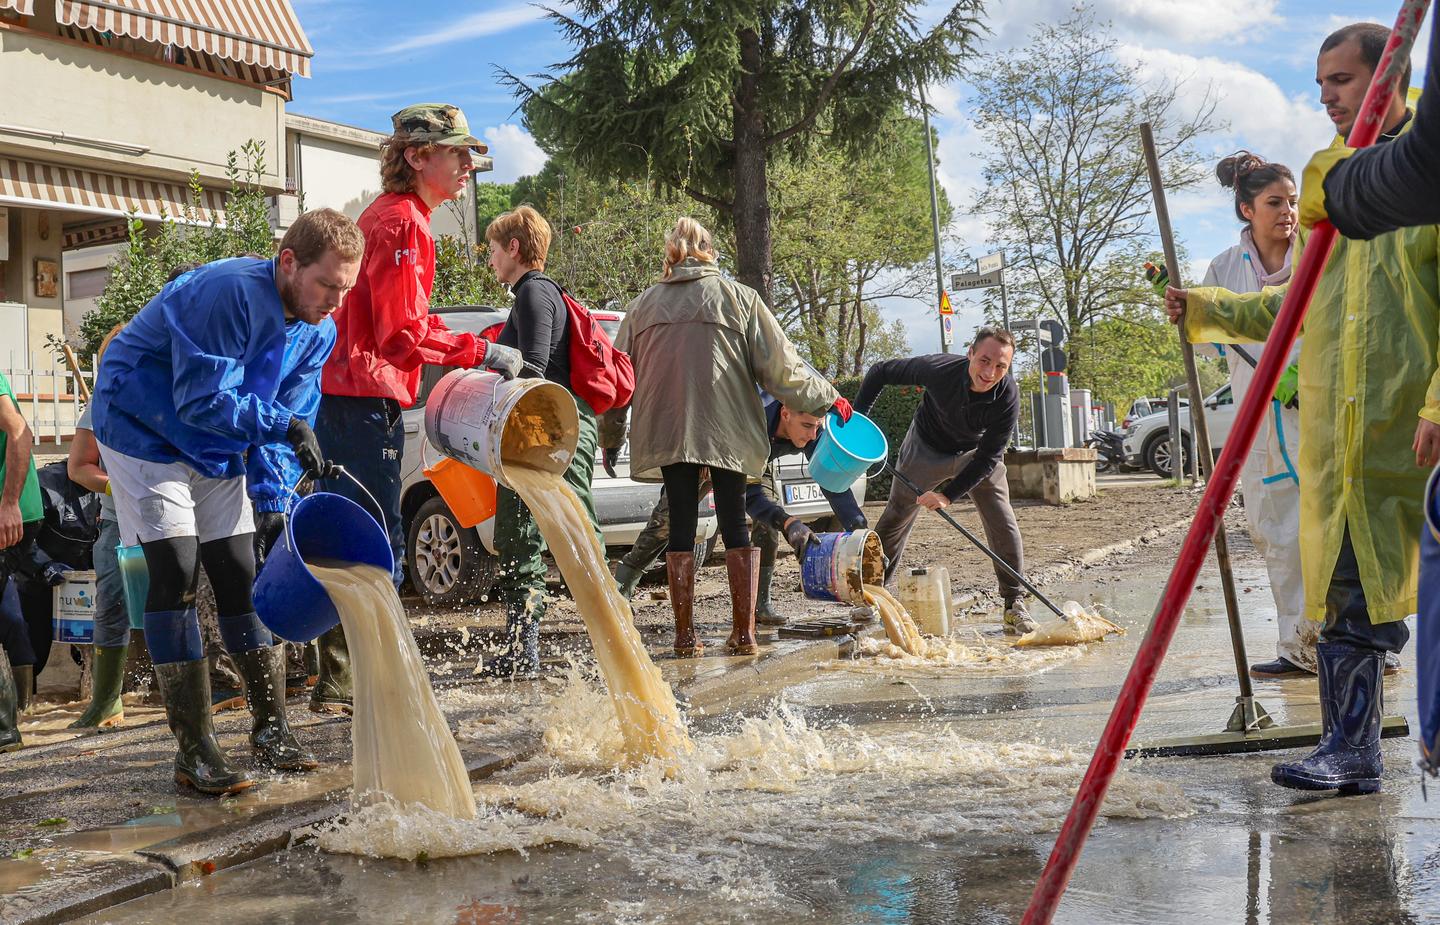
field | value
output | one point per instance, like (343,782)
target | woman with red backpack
(539,327)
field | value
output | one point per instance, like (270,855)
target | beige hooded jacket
(701,345)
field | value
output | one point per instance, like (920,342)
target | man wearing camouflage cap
(386,333)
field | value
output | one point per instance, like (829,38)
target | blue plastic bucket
(845,451)
(288,599)
(135,577)
(838,565)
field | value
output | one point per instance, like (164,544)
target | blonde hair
(105,343)
(396,174)
(525,225)
(688,239)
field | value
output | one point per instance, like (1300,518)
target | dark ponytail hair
(1248,175)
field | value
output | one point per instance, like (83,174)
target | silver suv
(451,565)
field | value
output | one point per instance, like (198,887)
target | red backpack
(600,374)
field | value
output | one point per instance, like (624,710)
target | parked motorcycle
(1110,450)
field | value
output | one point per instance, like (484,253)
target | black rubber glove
(269,525)
(307,447)
(55,572)
(859,523)
(799,537)
(609,456)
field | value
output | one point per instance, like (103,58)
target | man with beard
(191,384)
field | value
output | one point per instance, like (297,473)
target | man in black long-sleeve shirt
(955,447)
(1389,186)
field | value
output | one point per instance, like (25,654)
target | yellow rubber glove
(1312,184)
(107,488)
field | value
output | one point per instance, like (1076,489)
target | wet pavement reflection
(958,831)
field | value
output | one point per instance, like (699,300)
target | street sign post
(975,280)
(990,263)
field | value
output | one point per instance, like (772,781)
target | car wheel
(1157,455)
(447,563)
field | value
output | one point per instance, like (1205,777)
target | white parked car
(1147,439)
(450,565)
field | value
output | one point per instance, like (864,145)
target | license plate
(802,492)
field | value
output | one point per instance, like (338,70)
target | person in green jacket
(20,515)
(1369,431)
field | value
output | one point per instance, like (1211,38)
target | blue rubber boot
(1351,698)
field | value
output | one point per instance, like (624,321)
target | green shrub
(892,413)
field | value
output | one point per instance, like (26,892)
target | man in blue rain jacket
(195,380)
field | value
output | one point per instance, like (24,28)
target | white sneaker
(1017,618)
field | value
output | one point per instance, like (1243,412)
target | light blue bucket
(288,598)
(135,577)
(845,451)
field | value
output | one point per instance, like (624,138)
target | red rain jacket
(385,329)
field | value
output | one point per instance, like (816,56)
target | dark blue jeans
(367,437)
(1347,617)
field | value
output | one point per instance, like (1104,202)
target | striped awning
(31,183)
(89,234)
(23,7)
(264,33)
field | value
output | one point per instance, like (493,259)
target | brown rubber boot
(742,566)
(680,569)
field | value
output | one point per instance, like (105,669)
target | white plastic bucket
(486,421)
(74,618)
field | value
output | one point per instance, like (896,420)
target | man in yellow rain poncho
(1369,427)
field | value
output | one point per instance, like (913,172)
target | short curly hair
(528,227)
(396,174)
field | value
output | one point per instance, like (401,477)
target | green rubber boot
(334,691)
(200,762)
(24,686)
(107,680)
(628,579)
(263,671)
(9,716)
(765,613)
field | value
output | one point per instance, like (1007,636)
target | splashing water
(404,754)
(649,721)
(771,782)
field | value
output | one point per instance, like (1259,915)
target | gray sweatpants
(929,469)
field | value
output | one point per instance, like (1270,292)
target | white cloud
(1188,21)
(476,25)
(1261,117)
(514,151)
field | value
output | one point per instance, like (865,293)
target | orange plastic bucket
(469,492)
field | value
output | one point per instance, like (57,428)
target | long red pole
(1208,518)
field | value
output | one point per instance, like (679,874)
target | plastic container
(925,593)
(844,452)
(288,599)
(135,577)
(468,492)
(74,614)
(835,568)
(485,421)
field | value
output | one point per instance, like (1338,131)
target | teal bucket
(288,599)
(135,577)
(845,451)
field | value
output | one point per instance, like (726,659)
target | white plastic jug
(925,593)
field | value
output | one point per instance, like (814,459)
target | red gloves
(843,408)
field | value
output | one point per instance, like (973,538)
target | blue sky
(1257,56)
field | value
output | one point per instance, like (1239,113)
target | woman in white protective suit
(1266,202)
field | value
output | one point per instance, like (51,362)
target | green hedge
(892,412)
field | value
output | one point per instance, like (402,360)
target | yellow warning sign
(945,308)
